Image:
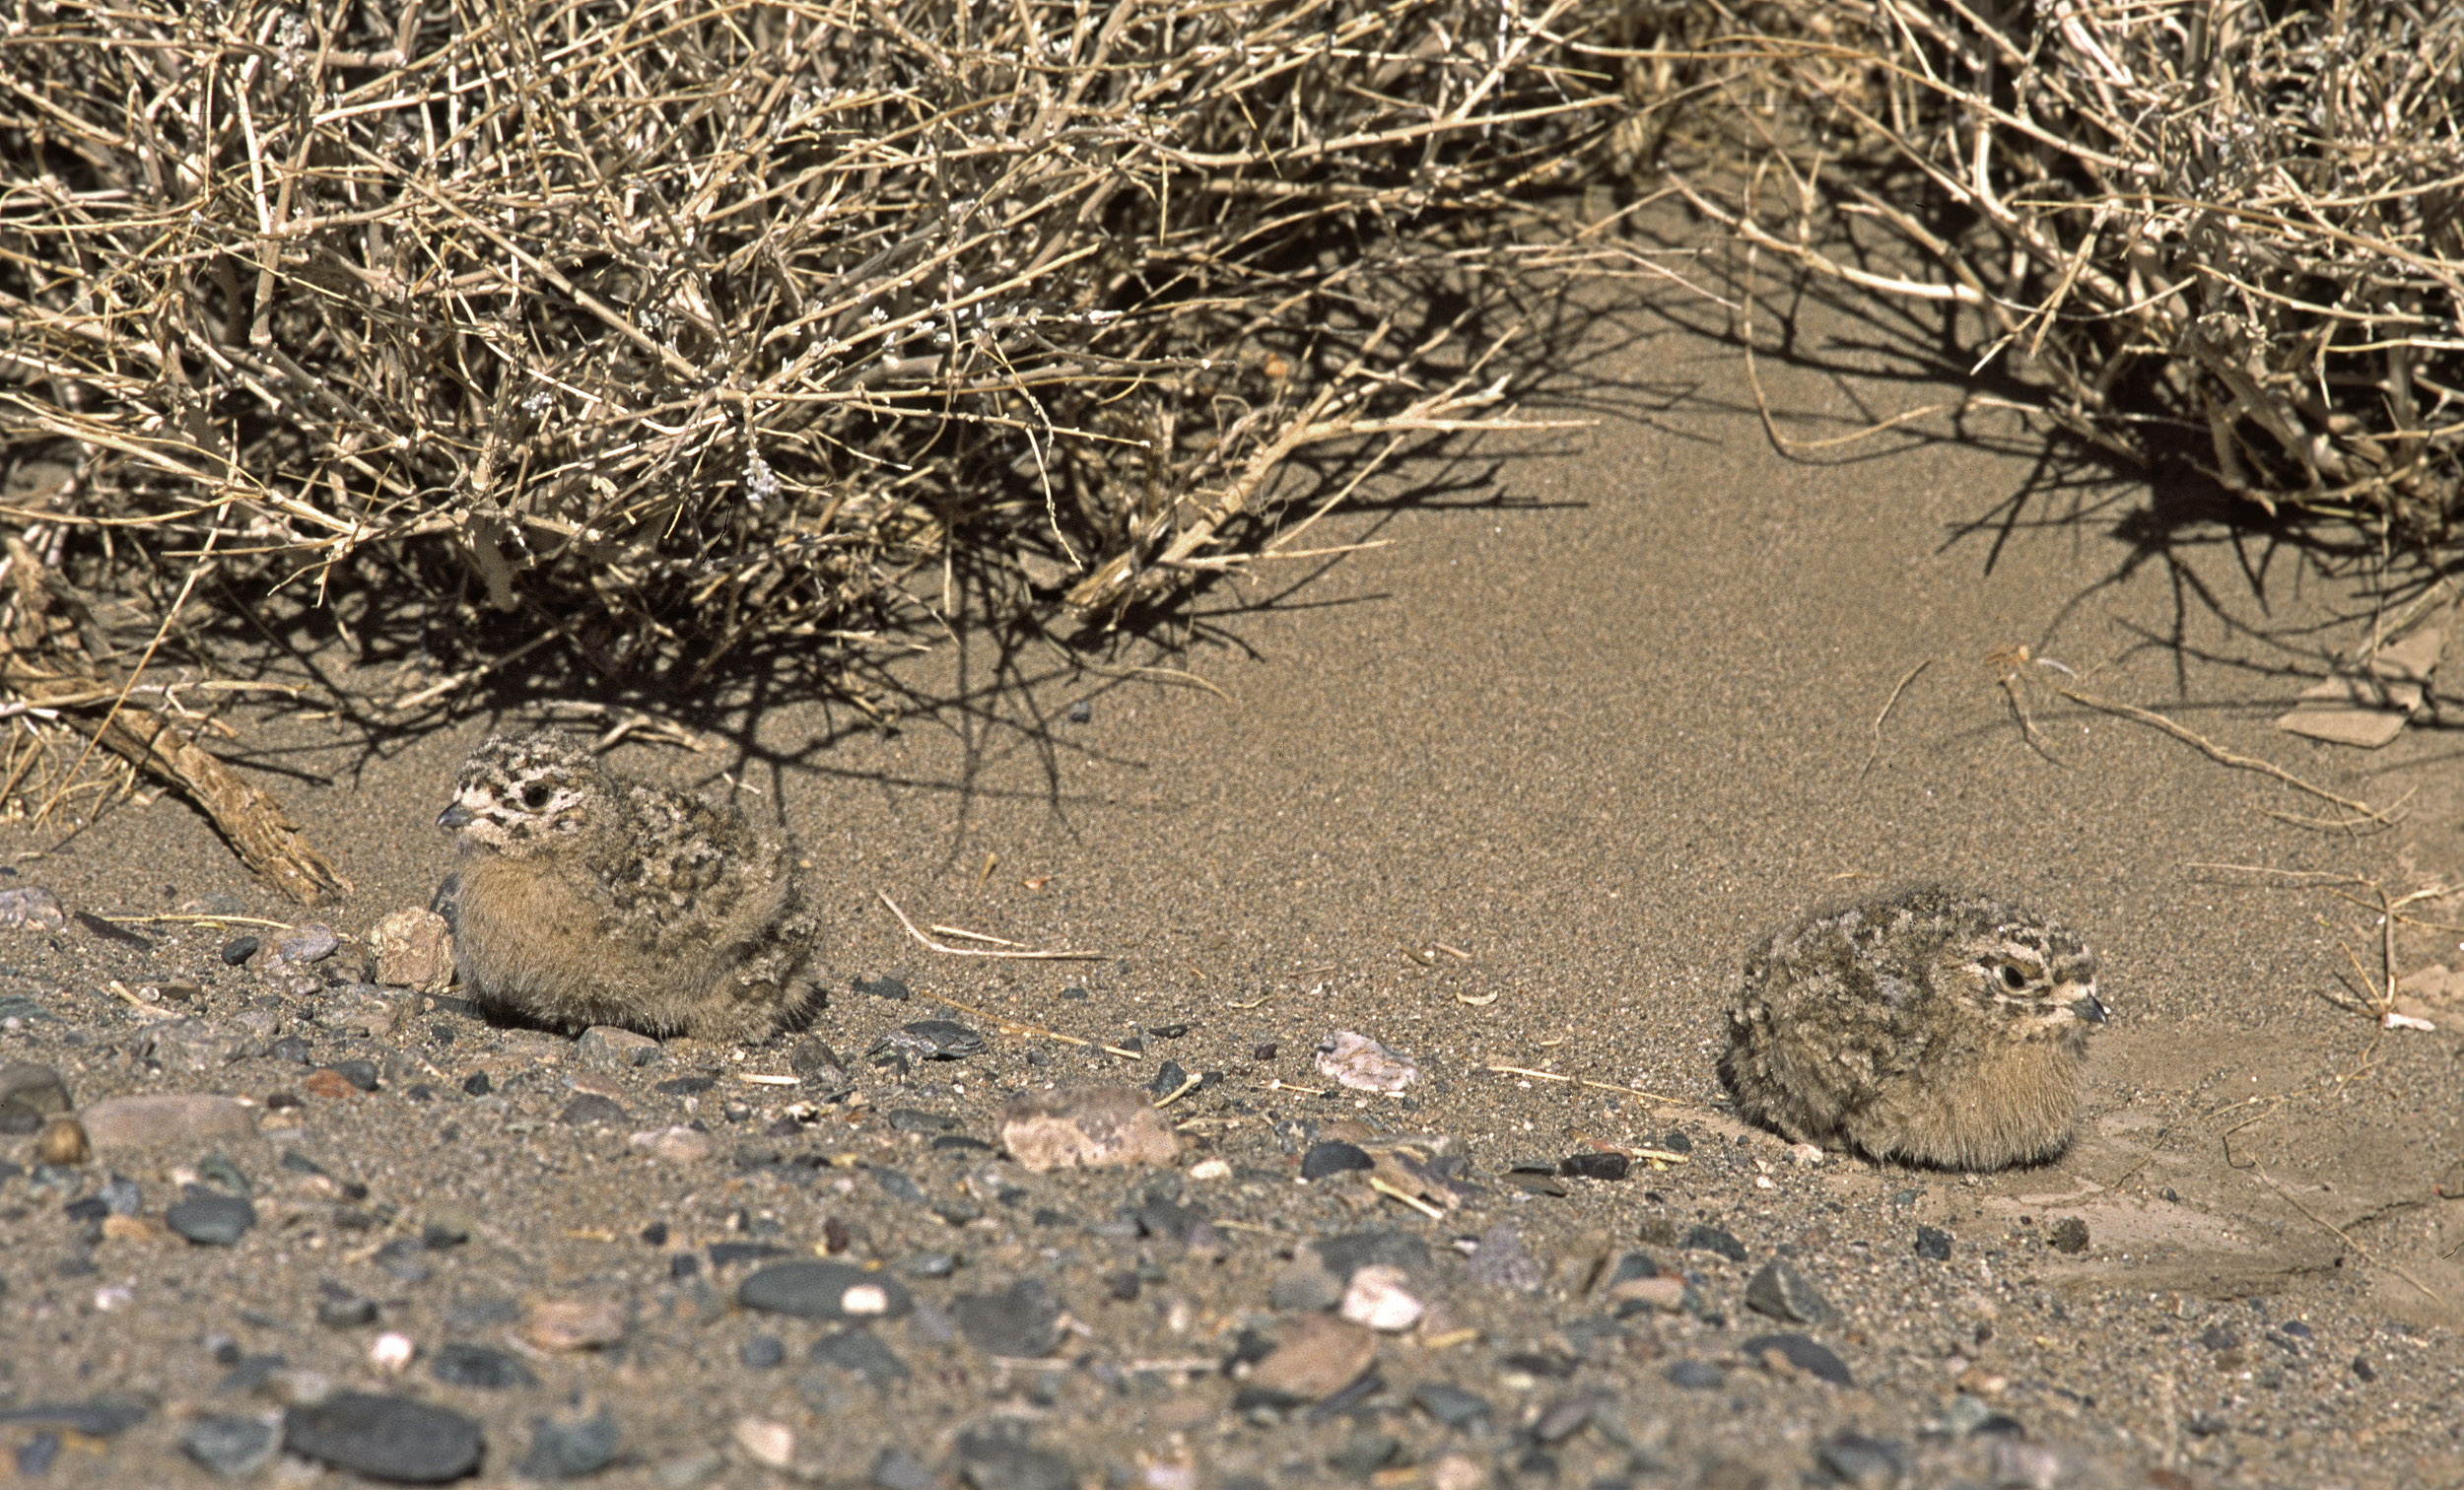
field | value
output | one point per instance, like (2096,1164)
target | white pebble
(1380,1296)
(391,1351)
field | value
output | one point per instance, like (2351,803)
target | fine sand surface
(1515,789)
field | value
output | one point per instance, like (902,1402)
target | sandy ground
(1515,789)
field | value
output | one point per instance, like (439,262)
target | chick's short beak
(2090,1009)
(456,815)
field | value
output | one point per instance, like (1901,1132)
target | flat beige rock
(1087,1127)
(196,1119)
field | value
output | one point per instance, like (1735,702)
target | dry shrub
(2227,228)
(653,336)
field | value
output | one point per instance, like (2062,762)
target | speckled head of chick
(1926,1026)
(522,794)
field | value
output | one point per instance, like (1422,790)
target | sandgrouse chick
(1926,1027)
(581,899)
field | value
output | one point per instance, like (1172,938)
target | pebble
(194,1119)
(33,1087)
(1380,1298)
(482,1366)
(1501,1261)
(385,1438)
(1451,1406)
(1866,1463)
(766,1442)
(1779,1290)
(1596,1165)
(347,1311)
(194,1045)
(930,1040)
(329,1083)
(571,1451)
(64,1141)
(1712,1239)
(814,1290)
(100,1417)
(763,1352)
(859,1352)
(1301,1286)
(1353,1060)
(239,949)
(1316,1356)
(1696,1375)
(614,1047)
(999,1455)
(1331,1158)
(210,1218)
(573,1324)
(362,1011)
(32,906)
(674,1145)
(233,1447)
(1021,1320)
(884,987)
(894,1468)
(591,1108)
(2070,1235)
(1786,1353)
(1087,1127)
(313,942)
(1933,1242)
(414,950)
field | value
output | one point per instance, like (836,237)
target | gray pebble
(482,1366)
(859,1351)
(813,1290)
(32,906)
(1782,1292)
(1799,1353)
(897,1469)
(313,942)
(1713,1239)
(33,1087)
(590,1108)
(1866,1463)
(1450,1405)
(211,1219)
(239,949)
(1933,1242)
(385,1438)
(1021,1320)
(233,1447)
(571,1451)
(1503,1261)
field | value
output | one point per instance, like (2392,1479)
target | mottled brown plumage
(581,899)
(1925,1026)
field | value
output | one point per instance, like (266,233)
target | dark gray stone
(313,942)
(1330,1157)
(1866,1463)
(95,1417)
(2070,1235)
(898,1469)
(1934,1243)
(32,1086)
(1450,1405)
(1696,1375)
(233,1447)
(762,1352)
(385,1438)
(812,1290)
(1779,1290)
(1501,1261)
(1801,1353)
(998,1455)
(1712,1239)
(484,1366)
(571,1451)
(210,1218)
(590,1108)
(1021,1320)
(239,949)
(861,1352)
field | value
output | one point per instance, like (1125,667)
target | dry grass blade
(1023,954)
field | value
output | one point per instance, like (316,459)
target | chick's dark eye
(2013,979)
(535,796)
